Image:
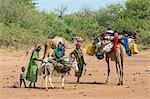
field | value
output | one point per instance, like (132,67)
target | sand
(92,85)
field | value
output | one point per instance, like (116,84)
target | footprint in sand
(13,71)
(134,79)
(81,93)
(84,95)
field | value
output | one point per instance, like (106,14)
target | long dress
(80,62)
(32,68)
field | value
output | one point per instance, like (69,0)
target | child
(22,76)
(74,62)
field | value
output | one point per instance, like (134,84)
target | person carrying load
(79,58)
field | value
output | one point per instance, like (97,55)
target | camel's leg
(119,65)
(119,73)
(122,69)
(50,80)
(108,69)
(117,68)
(62,81)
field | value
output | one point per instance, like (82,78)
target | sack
(99,55)
(133,48)
(60,68)
(90,49)
(109,47)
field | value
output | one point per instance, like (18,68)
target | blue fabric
(126,45)
(59,52)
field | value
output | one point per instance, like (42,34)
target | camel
(52,43)
(118,57)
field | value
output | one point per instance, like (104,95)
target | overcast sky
(74,5)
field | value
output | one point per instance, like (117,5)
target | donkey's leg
(50,80)
(42,81)
(46,77)
(108,69)
(62,80)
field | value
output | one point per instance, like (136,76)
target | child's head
(72,56)
(22,69)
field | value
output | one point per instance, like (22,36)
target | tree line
(22,24)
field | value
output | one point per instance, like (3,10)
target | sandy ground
(92,86)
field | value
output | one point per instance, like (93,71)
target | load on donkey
(113,46)
(59,44)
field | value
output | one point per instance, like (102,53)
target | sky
(74,5)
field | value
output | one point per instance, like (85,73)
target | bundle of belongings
(111,40)
(133,47)
(62,67)
(61,63)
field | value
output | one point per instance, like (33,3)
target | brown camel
(52,43)
(118,57)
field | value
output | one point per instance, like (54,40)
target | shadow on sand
(93,83)
(43,88)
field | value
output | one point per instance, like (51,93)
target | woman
(33,67)
(79,57)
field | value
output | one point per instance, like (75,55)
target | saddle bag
(133,47)
(99,55)
(90,49)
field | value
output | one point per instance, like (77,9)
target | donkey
(118,57)
(48,69)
